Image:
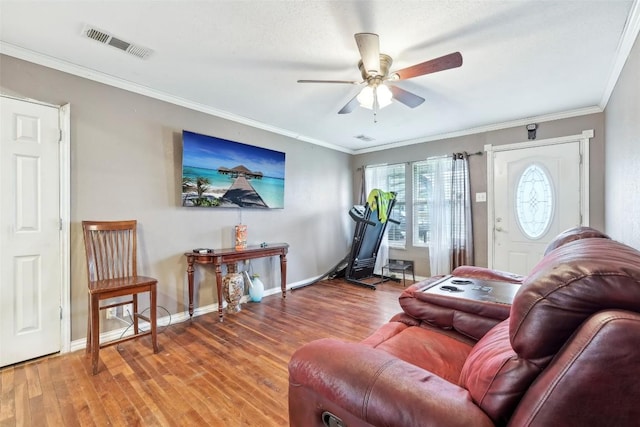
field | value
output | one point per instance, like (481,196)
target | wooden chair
(111,249)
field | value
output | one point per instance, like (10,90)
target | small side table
(400,265)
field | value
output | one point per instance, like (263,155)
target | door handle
(499,229)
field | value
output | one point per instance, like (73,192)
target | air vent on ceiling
(364,138)
(108,39)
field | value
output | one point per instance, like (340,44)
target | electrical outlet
(127,311)
(112,313)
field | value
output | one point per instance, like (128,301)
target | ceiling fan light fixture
(370,94)
(366,97)
(384,95)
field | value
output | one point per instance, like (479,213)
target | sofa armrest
(357,382)
(472,318)
(485,273)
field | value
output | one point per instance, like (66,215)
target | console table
(230,255)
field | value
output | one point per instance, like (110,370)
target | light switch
(481,197)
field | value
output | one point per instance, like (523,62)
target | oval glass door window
(534,202)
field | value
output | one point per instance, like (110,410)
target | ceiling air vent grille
(364,138)
(108,39)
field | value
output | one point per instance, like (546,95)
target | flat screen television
(219,173)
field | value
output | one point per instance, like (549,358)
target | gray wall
(622,118)
(126,154)
(478,169)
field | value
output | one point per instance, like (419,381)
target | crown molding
(627,40)
(489,128)
(97,76)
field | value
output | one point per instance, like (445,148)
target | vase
(241,237)
(232,288)
(256,291)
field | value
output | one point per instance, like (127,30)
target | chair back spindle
(111,252)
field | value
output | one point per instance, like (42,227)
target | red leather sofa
(565,353)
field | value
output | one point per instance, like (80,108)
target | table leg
(190,260)
(219,289)
(283,275)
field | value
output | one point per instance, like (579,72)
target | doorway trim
(65,226)
(582,138)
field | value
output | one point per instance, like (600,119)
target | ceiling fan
(374,67)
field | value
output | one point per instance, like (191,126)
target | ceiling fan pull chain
(375,104)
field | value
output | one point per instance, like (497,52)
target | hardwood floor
(232,373)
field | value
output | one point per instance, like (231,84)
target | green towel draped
(379,200)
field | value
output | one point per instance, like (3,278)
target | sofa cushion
(434,350)
(570,284)
(573,234)
(495,376)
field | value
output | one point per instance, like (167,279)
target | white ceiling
(523,60)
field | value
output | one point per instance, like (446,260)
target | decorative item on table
(232,288)
(241,237)
(256,290)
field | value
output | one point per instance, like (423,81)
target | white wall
(126,163)
(622,154)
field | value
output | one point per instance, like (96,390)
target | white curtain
(440,211)
(451,242)
(376,177)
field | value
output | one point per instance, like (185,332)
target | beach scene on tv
(221,173)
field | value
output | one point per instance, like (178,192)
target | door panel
(30,252)
(528,213)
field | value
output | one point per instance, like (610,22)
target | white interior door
(537,191)
(30,228)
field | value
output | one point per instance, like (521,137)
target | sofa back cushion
(569,285)
(572,234)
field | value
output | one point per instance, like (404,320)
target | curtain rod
(465,154)
(477,153)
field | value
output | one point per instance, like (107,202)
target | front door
(537,190)
(30,228)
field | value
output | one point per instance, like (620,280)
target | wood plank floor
(232,373)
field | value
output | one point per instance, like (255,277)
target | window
(423,175)
(534,202)
(390,178)
(424,178)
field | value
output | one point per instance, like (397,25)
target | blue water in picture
(270,189)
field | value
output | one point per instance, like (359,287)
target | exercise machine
(371,224)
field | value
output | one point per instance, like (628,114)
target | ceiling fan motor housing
(385,65)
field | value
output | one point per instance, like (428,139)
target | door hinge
(59,135)
(60,312)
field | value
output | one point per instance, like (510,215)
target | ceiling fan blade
(446,62)
(369,47)
(351,105)
(407,98)
(330,81)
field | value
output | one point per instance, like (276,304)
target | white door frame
(64,147)
(582,138)
(65,226)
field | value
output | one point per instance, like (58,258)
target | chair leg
(94,312)
(88,346)
(134,315)
(153,318)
